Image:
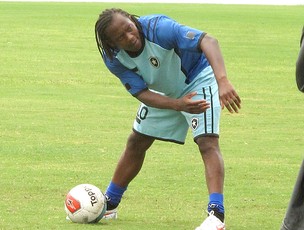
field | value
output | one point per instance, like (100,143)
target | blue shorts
(171,125)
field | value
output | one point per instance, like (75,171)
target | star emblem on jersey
(194,123)
(154,61)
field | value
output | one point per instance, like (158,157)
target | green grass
(64,119)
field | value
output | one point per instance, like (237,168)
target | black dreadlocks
(104,20)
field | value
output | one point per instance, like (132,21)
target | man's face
(124,34)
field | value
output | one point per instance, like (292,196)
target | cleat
(110,214)
(216,211)
(211,223)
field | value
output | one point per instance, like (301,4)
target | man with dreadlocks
(178,74)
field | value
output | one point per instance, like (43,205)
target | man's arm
(185,103)
(228,96)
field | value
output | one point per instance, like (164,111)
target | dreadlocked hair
(102,23)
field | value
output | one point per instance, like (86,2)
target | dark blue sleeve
(131,80)
(171,35)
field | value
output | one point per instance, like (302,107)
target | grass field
(64,119)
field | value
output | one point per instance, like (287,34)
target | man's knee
(138,142)
(208,145)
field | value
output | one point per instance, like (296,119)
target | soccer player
(178,74)
(294,215)
(300,65)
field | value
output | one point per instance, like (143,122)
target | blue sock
(115,192)
(216,200)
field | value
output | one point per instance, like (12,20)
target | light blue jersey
(171,58)
(172,64)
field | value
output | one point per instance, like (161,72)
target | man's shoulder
(153,19)
(156,27)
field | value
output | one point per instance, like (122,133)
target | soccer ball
(85,203)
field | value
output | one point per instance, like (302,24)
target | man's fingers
(232,102)
(199,106)
(233,105)
(192,94)
(237,101)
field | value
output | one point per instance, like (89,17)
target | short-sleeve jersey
(170,60)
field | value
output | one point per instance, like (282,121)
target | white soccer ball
(85,203)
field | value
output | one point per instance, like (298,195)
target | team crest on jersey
(194,123)
(154,61)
